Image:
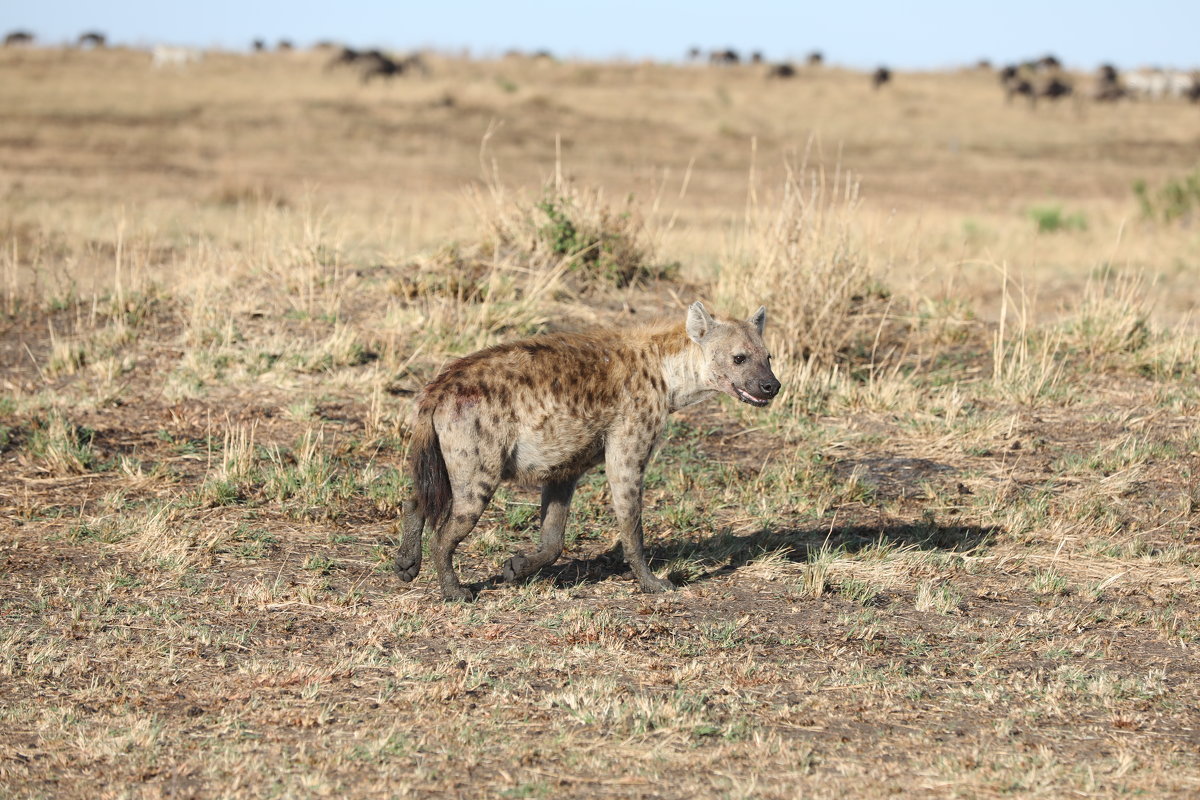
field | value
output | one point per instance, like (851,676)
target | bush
(1177,199)
(528,256)
(1051,219)
(609,248)
(571,232)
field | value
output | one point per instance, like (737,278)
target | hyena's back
(533,411)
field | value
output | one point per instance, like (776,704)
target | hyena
(544,410)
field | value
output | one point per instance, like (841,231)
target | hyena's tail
(431,481)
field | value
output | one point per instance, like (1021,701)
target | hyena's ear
(759,319)
(699,323)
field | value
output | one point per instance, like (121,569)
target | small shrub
(236,194)
(1048,581)
(1111,320)
(62,447)
(529,254)
(1051,219)
(1176,199)
(940,597)
(608,248)
(857,591)
(452,271)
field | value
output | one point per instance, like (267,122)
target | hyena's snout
(759,391)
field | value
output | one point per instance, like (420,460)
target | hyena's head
(735,359)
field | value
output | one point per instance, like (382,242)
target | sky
(919,34)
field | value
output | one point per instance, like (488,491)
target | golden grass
(956,558)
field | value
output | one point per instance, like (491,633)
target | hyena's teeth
(746,397)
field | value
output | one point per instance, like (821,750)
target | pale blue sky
(916,34)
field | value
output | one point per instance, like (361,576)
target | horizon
(856,34)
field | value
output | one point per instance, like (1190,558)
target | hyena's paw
(459,593)
(656,585)
(406,567)
(516,568)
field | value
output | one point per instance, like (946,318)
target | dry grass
(956,559)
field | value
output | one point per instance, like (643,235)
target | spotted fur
(542,411)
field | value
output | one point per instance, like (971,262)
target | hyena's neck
(682,363)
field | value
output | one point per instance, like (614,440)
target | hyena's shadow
(696,561)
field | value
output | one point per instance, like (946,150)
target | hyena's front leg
(626,469)
(556,500)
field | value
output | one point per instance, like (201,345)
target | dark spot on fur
(467,394)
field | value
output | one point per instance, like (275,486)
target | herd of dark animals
(1043,78)
(376,64)
(1040,79)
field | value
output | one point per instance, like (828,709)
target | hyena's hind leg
(468,507)
(474,467)
(556,500)
(408,556)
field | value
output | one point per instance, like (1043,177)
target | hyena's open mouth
(746,397)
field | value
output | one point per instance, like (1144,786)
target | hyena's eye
(739,359)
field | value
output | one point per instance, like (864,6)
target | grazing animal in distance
(545,410)
(1055,88)
(1048,63)
(377,65)
(94,39)
(1159,84)
(724,58)
(784,70)
(1108,88)
(880,76)
(1020,86)
(18,38)
(347,55)
(177,57)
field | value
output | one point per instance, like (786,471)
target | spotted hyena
(542,411)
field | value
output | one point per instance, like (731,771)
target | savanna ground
(956,558)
